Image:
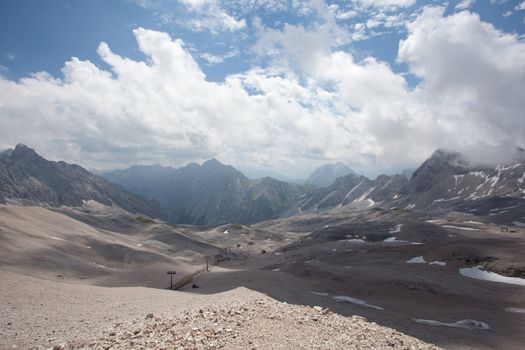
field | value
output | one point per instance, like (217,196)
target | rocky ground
(259,324)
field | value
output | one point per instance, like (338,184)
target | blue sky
(271,51)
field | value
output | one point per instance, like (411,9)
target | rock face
(259,324)
(446,178)
(210,194)
(356,191)
(325,175)
(443,180)
(26,176)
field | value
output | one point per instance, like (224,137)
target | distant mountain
(445,180)
(408,173)
(326,174)
(28,177)
(356,191)
(209,194)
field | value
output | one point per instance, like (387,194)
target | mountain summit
(326,174)
(28,177)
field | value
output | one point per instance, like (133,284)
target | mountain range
(209,194)
(212,194)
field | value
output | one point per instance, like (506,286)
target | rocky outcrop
(259,324)
(27,177)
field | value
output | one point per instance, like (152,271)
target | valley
(423,257)
(356,262)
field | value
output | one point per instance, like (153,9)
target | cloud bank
(311,101)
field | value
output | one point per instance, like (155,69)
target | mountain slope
(445,179)
(351,190)
(326,174)
(209,194)
(26,176)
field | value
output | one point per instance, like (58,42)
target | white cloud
(471,77)
(465,4)
(216,59)
(310,101)
(520,6)
(507,13)
(385,3)
(210,15)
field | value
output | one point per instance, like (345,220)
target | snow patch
(396,229)
(515,310)
(356,240)
(439,263)
(357,302)
(393,239)
(319,293)
(226,232)
(57,239)
(477,273)
(518,223)
(466,324)
(461,228)
(417,260)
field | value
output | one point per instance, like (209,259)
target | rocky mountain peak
(22,152)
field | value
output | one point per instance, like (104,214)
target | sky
(269,86)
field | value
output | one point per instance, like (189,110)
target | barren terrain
(69,275)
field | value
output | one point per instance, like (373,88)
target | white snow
(396,229)
(439,263)
(57,239)
(515,310)
(477,273)
(521,179)
(370,202)
(356,241)
(311,261)
(357,302)
(466,324)
(98,265)
(433,221)
(139,245)
(462,228)
(226,232)
(276,269)
(507,208)
(475,222)
(319,293)
(417,260)
(393,239)
(364,195)
(445,199)
(410,206)
(519,224)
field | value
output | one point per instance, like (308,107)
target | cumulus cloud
(472,77)
(311,101)
(211,16)
(464,4)
(520,6)
(385,3)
